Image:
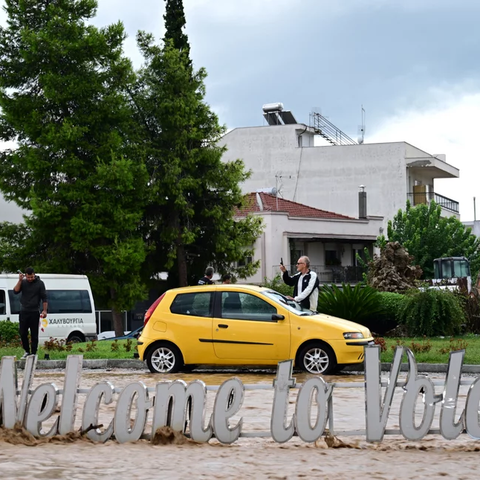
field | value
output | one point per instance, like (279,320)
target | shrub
(9,332)
(415,347)
(388,319)
(471,308)
(278,285)
(455,345)
(380,341)
(358,304)
(431,312)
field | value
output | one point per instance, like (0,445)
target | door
(246,330)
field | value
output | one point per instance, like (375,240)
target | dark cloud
(383,55)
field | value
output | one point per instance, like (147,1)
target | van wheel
(317,358)
(164,358)
(76,338)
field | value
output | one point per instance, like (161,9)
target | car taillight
(152,308)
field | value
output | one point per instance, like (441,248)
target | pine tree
(73,167)
(174,25)
(196,193)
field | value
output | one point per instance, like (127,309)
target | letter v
(376,412)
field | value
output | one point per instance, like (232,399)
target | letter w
(9,414)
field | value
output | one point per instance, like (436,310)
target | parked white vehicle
(109,334)
(71,309)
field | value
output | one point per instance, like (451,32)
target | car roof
(220,286)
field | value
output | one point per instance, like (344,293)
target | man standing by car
(33,292)
(305,284)
(207,279)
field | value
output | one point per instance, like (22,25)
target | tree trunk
(116,315)
(182,266)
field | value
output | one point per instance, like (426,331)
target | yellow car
(244,325)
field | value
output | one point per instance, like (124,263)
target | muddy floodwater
(343,457)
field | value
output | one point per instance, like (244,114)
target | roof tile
(272,203)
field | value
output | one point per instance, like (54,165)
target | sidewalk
(133,364)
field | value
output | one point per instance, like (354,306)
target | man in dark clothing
(305,284)
(33,292)
(207,279)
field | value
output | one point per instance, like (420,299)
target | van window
(14,302)
(3,303)
(59,301)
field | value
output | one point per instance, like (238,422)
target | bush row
(421,312)
(427,312)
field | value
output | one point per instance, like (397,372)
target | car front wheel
(317,358)
(164,358)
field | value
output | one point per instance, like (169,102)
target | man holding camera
(305,284)
(33,292)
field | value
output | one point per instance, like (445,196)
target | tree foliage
(427,235)
(174,25)
(120,171)
(190,221)
(61,94)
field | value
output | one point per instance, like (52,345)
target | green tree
(190,223)
(174,25)
(427,235)
(73,167)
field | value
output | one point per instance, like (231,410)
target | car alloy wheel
(318,359)
(164,359)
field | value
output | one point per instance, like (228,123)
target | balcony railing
(426,197)
(332,273)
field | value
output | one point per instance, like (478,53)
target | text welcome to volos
(177,404)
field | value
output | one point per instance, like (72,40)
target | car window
(292,305)
(244,306)
(196,304)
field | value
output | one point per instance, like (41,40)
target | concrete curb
(88,364)
(133,364)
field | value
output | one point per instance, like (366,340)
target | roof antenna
(361,128)
(279,185)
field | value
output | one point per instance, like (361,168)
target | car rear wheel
(317,358)
(164,358)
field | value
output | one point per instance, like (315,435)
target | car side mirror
(276,317)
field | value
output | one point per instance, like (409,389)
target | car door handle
(222,325)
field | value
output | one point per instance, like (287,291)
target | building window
(331,257)
(360,252)
(245,261)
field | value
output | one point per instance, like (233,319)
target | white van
(71,310)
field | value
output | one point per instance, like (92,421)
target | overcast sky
(413,65)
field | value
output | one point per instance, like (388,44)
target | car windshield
(292,305)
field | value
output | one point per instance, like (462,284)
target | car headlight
(352,335)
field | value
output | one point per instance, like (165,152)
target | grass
(120,349)
(426,350)
(435,349)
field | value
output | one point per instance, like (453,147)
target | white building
(291,230)
(328,177)
(475,226)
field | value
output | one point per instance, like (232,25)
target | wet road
(394,458)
